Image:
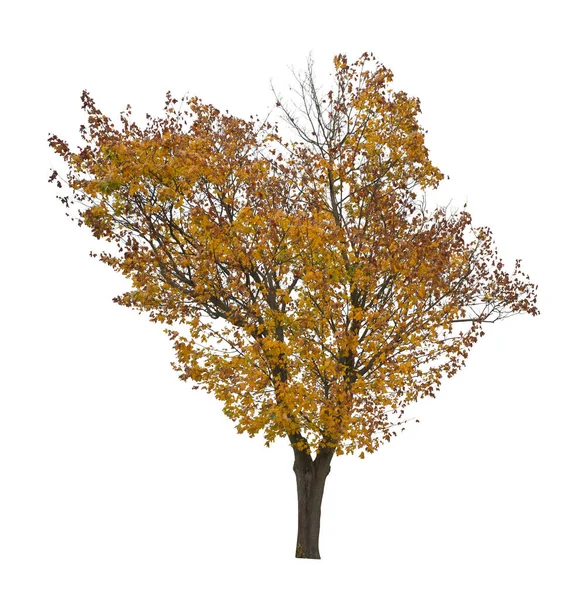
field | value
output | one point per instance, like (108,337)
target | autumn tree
(301,278)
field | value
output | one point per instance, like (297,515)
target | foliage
(303,282)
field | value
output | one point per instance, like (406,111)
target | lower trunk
(310,475)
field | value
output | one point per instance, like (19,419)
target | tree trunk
(310,475)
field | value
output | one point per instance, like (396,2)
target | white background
(120,482)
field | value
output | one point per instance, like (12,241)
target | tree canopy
(300,277)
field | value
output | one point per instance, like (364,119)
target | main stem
(311,475)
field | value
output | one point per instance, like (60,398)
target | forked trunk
(310,475)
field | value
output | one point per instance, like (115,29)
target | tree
(304,283)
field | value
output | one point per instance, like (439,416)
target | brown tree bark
(310,475)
